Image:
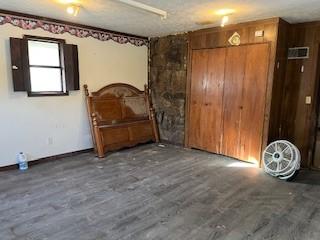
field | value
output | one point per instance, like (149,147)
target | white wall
(26,123)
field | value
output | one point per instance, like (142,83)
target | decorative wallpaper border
(27,23)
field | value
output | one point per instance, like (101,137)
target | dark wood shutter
(19,64)
(71,65)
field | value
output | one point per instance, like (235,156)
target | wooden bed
(120,116)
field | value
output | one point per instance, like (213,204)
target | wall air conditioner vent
(298,53)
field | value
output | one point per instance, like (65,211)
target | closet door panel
(197,93)
(253,101)
(211,128)
(234,74)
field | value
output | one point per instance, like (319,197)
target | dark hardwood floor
(150,192)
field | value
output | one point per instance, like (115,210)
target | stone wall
(168,76)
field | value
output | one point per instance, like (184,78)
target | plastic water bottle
(22,161)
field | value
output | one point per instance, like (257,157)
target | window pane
(43,53)
(45,79)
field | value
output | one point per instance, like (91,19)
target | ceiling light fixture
(224,21)
(73,9)
(68,1)
(145,7)
(225,11)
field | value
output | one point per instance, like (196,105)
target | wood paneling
(299,119)
(218,38)
(279,81)
(286,114)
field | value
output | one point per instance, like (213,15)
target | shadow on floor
(308,177)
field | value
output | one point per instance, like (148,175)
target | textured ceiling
(183,14)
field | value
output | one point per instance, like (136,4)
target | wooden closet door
(211,115)
(253,102)
(234,75)
(197,94)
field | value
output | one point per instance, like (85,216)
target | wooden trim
(47,94)
(120,125)
(231,46)
(47,159)
(44,66)
(44,39)
(268,99)
(234,26)
(312,168)
(102,90)
(60,42)
(188,90)
(315,114)
(19,14)
(307,24)
(25,65)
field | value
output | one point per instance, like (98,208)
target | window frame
(60,43)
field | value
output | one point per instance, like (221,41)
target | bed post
(152,114)
(96,132)
(89,110)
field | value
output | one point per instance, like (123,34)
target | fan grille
(281,159)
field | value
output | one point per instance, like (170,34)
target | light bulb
(224,21)
(73,10)
(225,11)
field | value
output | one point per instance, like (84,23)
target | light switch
(308,100)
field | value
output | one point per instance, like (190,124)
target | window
(44,66)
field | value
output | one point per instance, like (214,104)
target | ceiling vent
(298,53)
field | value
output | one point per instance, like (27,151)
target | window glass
(45,79)
(43,53)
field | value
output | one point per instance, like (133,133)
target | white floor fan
(282,159)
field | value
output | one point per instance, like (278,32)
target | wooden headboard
(120,115)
